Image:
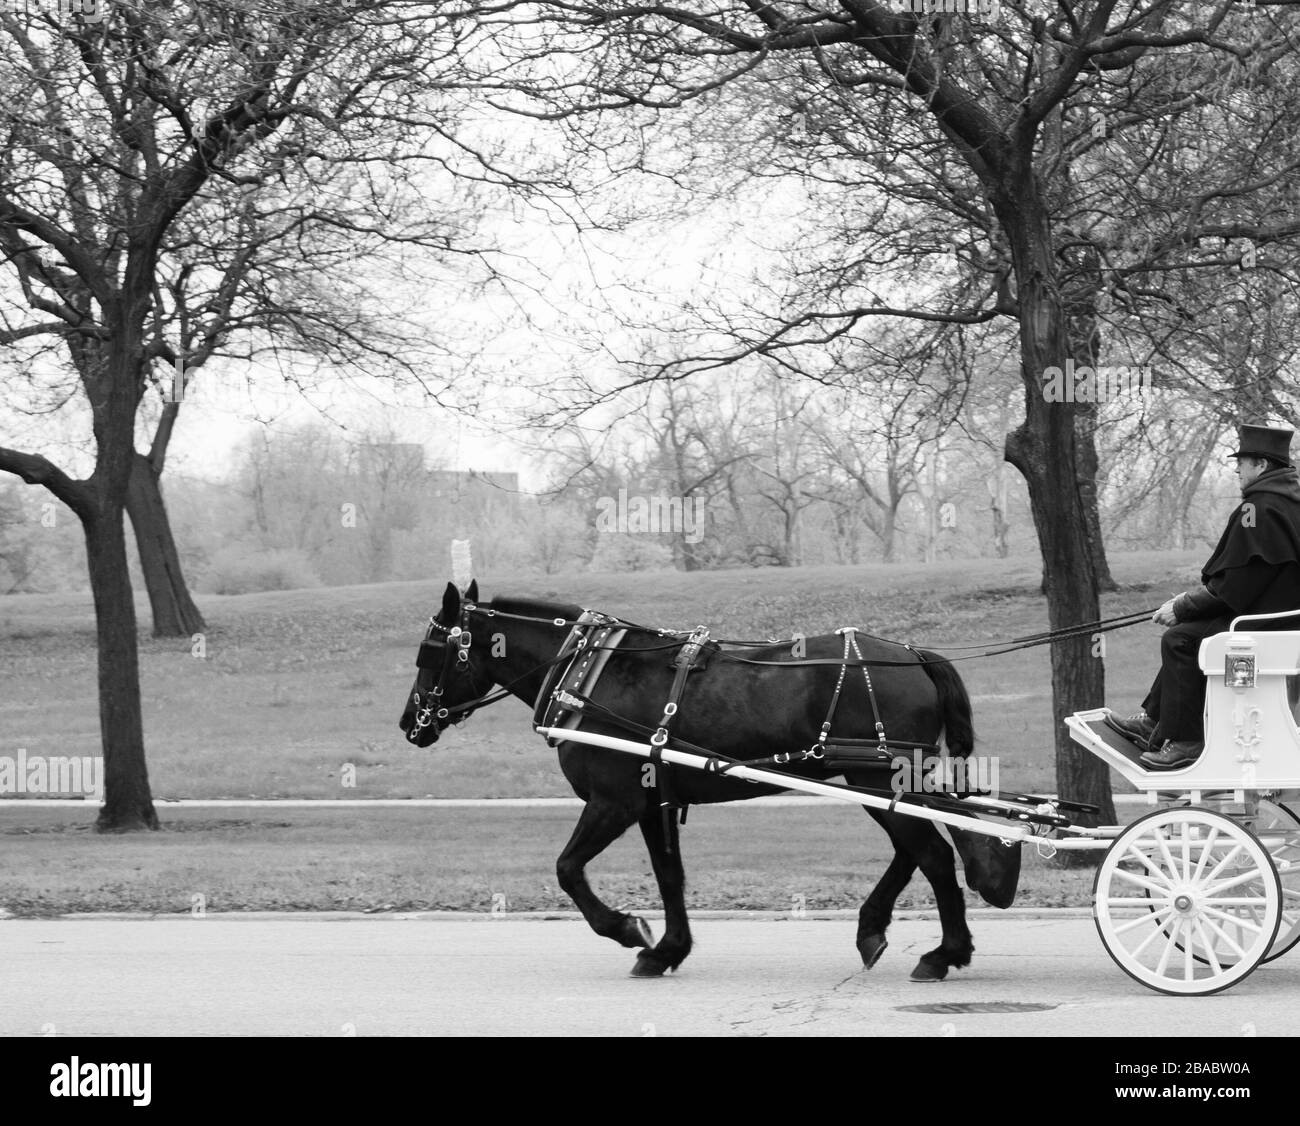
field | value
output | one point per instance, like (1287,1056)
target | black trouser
(1177,697)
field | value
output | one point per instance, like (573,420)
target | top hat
(1272,442)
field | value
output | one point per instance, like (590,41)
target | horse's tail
(954,702)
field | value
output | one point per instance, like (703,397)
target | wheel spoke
(1237,920)
(1209,947)
(1147,863)
(1206,852)
(1224,885)
(1170,946)
(1151,917)
(1232,855)
(1149,885)
(1170,864)
(1157,930)
(1237,900)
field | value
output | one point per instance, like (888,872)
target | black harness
(573,672)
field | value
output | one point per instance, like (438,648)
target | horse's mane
(535,607)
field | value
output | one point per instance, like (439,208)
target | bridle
(454,655)
(451,652)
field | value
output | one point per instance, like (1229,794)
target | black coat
(1255,567)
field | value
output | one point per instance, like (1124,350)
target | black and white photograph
(492,492)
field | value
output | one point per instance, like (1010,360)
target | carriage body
(1192,897)
(1252,737)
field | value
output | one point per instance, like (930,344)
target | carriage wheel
(1187,901)
(1278,829)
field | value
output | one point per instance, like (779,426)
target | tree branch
(38,470)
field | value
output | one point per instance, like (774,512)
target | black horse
(736,709)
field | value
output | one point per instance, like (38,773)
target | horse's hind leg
(600,824)
(672,949)
(921,841)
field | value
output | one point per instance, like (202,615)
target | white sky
(648,273)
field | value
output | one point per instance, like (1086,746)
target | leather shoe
(1173,756)
(1137,728)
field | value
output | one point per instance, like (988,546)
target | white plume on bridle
(462,568)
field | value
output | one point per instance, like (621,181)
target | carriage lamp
(1239,667)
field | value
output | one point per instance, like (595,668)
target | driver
(1255,569)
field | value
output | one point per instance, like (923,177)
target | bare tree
(119,129)
(964,134)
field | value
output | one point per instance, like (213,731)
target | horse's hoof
(648,966)
(929,971)
(871,948)
(633,932)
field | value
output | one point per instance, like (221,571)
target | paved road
(486,976)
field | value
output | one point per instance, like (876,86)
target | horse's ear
(450,604)
(471,591)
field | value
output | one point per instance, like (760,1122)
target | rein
(455,652)
(996,649)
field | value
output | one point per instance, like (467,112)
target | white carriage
(1194,895)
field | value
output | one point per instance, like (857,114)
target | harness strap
(720,764)
(580,661)
(686,660)
(850,637)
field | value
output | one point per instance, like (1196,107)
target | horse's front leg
(878,910)
(671,950)
(602,822)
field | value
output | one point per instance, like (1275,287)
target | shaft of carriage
(1042,815)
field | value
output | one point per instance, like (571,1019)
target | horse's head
(992,868)
(449,676)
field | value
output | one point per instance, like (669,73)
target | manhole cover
(978,1007)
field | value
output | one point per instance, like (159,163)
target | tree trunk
(1084,329)
(998,505)
(889,533)
(1188,486)
(1085,428)
(932,510)
(114,386)
(174,612)
(1045,450)
(128,803)
(688,553)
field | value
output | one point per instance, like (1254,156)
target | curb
(770,801)
(1013,914)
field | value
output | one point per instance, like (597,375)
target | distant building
(401,459)
(405,461)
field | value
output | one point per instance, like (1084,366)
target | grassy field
(823,857)
(294,685)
